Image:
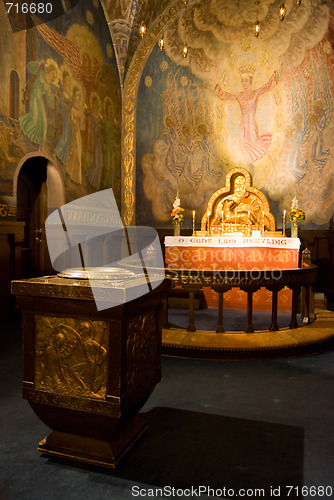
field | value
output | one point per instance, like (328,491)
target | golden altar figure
(237,207)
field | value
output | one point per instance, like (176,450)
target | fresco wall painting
(69,102)
(265,104)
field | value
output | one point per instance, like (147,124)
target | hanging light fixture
(282,12)
(142,29)
(298,2)
(161,42)
(257,27)
(185,46)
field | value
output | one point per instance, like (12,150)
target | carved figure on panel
(238,207)
(71,356)
(141,358)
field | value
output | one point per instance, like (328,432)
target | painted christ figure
(253,146)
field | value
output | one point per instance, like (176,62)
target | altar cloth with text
(238,253)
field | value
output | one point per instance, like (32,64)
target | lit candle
(208,222)
(194,215)
(284,214)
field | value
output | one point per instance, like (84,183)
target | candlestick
(194,216)
(235,220)
(222,228)
(249,224)
(208,223)
(284,214)
(262,232)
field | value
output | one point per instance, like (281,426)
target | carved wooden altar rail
(250,282)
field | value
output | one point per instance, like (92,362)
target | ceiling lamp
(298,2)
(282,12)
(257,27)
(142,29)
(161,43)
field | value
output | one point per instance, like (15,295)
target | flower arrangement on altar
(176,213)
(296,214)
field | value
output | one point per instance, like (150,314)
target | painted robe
(253,146)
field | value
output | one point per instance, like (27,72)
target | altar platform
(304,339)
(235,252)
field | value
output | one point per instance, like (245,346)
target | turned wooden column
(220,290)
(250,290)
(294,307)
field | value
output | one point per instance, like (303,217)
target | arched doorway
(37,177)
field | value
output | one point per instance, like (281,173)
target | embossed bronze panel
(70,356)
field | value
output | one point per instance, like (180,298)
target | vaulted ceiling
(124,18)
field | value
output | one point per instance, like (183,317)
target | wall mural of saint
(73,109)
(45,74)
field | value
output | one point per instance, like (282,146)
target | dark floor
(241,425)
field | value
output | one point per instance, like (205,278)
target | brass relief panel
(142,353)
(71,356)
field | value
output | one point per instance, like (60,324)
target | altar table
(235,252)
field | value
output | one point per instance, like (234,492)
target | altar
(237,233)
(235,253)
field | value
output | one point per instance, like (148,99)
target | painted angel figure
(44,75)
(321,117)
(299,132)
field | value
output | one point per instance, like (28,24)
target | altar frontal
(219,253)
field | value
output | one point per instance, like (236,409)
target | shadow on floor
(183,448)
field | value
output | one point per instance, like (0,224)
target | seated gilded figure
(238,207)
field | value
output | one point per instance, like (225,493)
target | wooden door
(32,210)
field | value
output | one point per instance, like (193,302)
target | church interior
(199,133)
